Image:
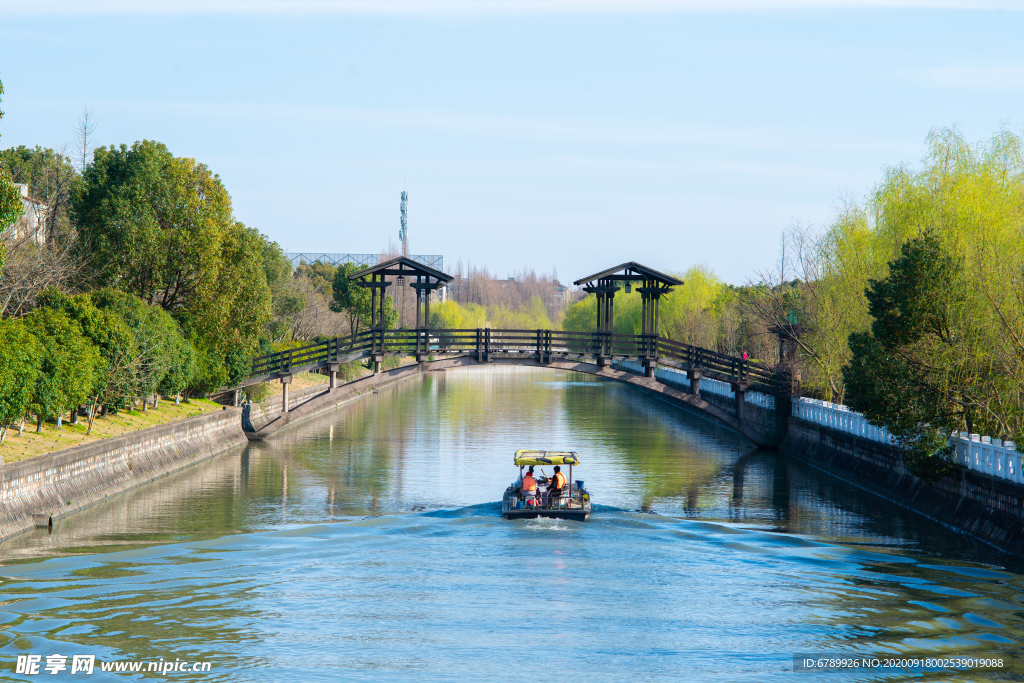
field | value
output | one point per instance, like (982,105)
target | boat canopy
(525,457)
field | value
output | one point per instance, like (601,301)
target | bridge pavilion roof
(631,271)
(405,267)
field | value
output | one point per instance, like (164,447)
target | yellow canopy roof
(525,457)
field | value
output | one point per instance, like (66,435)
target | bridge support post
(650,365)
(694,376)
(234,401)
(285,381)
(422,349)
(332,369)
(739,390)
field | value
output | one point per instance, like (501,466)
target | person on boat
(529,487)
(556,484)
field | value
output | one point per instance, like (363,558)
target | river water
(368,546)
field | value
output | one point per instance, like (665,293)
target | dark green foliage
(152,222)
(69,363)
(237,363)
(19,370)
(165,356)
(211,371)
(160,227)
(286,302)
(907,374)
(117,381)
(182,367)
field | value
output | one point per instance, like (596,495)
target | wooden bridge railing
(543,345)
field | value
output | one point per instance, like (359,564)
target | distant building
(32,223)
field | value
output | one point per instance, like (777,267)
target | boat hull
(511,509)
(575,515)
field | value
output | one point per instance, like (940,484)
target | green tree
(160,227)
(912,372)
(321,275)
(153,222)
(229,313)
(117,381)
(19,371)
(165,356)
(286,300)
(68,367)
(354,300)
(451,315)
(10,202)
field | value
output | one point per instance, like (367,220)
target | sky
(563,135)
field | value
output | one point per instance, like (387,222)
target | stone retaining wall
(985,507)
(72,479)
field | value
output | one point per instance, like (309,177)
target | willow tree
(692,312)
(970,197)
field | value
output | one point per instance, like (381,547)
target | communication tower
(403,233)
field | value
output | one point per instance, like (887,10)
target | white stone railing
(991,456)
(973,451)
(979,453)
(839,417)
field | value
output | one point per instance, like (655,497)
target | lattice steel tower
(403,233)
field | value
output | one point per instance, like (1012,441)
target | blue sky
(547,134)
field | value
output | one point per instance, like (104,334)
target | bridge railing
(714,364)
(314,355)
(484,342)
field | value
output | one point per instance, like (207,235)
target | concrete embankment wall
(988,508)
(72,479)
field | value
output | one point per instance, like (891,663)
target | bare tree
(84,129)
(30,268)
(474,284)
(316,318)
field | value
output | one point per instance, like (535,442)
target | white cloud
(970,78)
(465,7)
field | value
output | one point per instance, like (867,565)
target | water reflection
(368,546)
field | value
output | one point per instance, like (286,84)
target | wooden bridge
(543,346)
(596,352)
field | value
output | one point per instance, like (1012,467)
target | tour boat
(572,503)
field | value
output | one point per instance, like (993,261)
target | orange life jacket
(558,480)
(529,484)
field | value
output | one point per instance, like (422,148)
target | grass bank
(30,444)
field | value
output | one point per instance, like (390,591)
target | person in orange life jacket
(556,483)
(529,487)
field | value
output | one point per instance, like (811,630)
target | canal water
(368,546)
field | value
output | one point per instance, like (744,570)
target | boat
(573,503)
